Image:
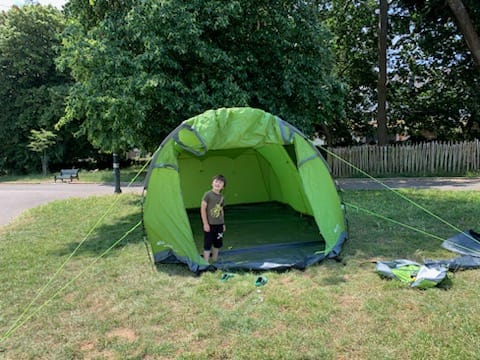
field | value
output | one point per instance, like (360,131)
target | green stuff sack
(412,273)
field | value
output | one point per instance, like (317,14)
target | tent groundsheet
(264,236)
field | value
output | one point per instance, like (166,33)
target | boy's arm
(203,213)
(223,210)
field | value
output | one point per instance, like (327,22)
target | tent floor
(265,232)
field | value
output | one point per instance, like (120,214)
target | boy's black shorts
(214,237)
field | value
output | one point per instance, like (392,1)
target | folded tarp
(464,243)
(463,262)
(467,244)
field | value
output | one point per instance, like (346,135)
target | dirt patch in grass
(90,352)
(89,347)
(122,333)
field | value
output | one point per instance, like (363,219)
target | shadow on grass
(109,237)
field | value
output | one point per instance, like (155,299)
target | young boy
(211,210)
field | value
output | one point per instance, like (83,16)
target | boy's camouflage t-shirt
(215,203)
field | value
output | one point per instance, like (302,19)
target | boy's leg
(217,241)
(206,254)
(215,253)
(207,244)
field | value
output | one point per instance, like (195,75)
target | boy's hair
(220,178)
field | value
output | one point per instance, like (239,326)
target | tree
(432,86)
(432,12)
(141,67)
(355,46)
(31,89)
(382,74)
(435,85)
(467,28)
(40,141)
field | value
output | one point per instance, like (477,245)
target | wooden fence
(425,159)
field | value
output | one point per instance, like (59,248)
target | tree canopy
(107,75)
(435,86)
(31,89)
(143,66)
(354,25)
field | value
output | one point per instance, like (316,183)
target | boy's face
(217,185)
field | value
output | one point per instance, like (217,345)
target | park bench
(67,174)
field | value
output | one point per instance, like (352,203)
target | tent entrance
(263,236)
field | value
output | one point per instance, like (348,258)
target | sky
(7,4)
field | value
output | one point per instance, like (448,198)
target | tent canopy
(267,162)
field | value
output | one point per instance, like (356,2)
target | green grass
(88,176)
(121,307)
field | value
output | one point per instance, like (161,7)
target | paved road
(15,198)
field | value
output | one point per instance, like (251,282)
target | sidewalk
(18,197)
(416,183)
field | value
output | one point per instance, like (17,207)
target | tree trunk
(44,163)
(382,75)
(465,25)
(328,135)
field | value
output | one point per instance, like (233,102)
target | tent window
(190,140)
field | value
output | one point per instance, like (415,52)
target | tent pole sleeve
(283,126)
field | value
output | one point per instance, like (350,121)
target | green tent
(282,206)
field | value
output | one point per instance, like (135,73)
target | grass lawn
(113,304)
